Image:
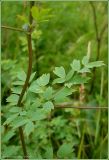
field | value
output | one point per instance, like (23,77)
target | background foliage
(56,43)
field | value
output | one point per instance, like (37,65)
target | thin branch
(95,20)
(70,105)
(23,92)
(22,138)
(14,29)
(74,107)
(103,30)
(29,70)
(26,84)
(96,32)
(97,39)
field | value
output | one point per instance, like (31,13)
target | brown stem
(26,84)
(98,42)
(95,20)
(74,107)
(29,70)
(22,138)
(98,39)
(70,105)
(15,29)
(23,92)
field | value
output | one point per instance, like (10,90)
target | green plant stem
(99,149)
(99,113)
(81,145)
(102,83)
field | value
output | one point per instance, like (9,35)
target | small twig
(95,20)
(70,105)
(103,30)
(98,39)
(15,29)
(73,107)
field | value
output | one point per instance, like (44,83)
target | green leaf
(85,60)
(10,119)
(62,94)
(69,75)
(78,79)
(95,64)
(75,65)
(35,12)
(40,15)
(10,151)
(59,80)
(18,83)
(23,113)
(15,109)
(21,76)
(48,93)
(35,88)
(65,150)
(36,35)
(13,98)
(84,70)
(16,90)
(7,136)
(43,80)
(32,76)
(19,121)
(37,103)
(49,152)
(44,14)
(29,128)
(60,72)
(22,18)
(48,105)
(37,115)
